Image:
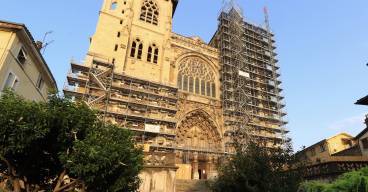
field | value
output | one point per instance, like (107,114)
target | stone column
(209,167)
(195,166)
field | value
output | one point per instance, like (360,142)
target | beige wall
(125,20)
(158,179)
(338,143)
(335,144)
(27,73)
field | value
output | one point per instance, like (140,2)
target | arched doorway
(198,141)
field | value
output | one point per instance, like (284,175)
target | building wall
(125,20)
(158,179)
(363,149)
(27,73)
(323,151)
(339,143)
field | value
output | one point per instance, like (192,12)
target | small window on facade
(113,6)
(208,89)
(213,89)
(121,22)
(116,47)
(40,82)
(185,83)
(180,81)
(22,56)
(118,34)
(140,50)
(365,143)
(313,152)
(155,56)
(136,49)
(149,12)
(191,84)
(11,81)
(203,88)
(197,85)
(149,54)
(322,148)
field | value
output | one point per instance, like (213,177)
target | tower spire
(267,20)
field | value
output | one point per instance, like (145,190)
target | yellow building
(169,90)
(22,67)
(324,150)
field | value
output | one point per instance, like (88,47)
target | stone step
(191,186)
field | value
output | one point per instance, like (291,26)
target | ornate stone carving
(198,132)
(196,67)
(155,160)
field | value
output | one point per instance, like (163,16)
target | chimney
(39,45)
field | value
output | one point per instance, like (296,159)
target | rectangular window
(313,152)
(155,56)
(40,82)
(197,86)
(185,86)
(191,84)
(11,81)
(208,89)
(149,54)
(140,50)
(213,90)
(180,81)
(322,148)
(365,143)
(22,56)
(203,88)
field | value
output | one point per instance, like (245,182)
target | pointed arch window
(196,77)
(136,49)
(152,55)
(149,12)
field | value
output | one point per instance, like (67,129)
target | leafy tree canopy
(355,181)
(42,144)
(256,168)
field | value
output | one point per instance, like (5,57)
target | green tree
(355,181)
(256,168)
(41,143)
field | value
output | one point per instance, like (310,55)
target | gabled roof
(361,133)
(362,101)
(22,27)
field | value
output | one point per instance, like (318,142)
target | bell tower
(135,36)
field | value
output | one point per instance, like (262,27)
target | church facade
(166,88)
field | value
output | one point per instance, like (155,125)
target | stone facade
(163,86)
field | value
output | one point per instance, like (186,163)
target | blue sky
(322,47)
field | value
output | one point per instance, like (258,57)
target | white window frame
(14,84)
(40,82)
(24,54)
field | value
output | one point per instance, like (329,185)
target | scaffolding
(146,108)
(251,93)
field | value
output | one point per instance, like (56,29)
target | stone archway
(198,139)
(198,132)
